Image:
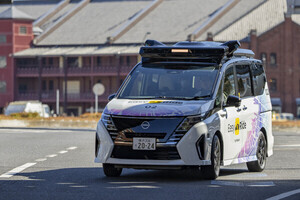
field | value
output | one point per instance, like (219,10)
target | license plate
(144,143)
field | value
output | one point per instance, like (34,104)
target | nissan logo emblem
(145,125)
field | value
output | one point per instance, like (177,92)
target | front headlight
(108,123)
(189,122)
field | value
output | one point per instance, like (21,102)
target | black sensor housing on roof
(210,52)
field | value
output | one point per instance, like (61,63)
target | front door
(230,121)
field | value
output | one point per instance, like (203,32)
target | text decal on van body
(239,125)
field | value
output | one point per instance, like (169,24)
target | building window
(273,84)
(22,88)
(73,62)
(99,61)
(44,85)
(2,87)
(23,30)
(2,39)
(51,85)
(273,59)
(50,61)
(3,62)
(128,60)
(263,57)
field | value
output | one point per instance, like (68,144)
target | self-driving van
(191,105)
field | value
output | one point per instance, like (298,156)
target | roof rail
(151,43)
(232,45)
(244,52)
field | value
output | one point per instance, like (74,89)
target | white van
(28,107)
(191,105)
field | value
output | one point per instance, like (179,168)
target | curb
(43,128)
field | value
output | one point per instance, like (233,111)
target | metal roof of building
(263,18)
(76,51)
(172,21)
(238,11)
(94,23)
(14,13)
(32,8)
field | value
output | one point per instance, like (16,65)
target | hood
(157,108)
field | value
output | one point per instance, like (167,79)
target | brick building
(83,42)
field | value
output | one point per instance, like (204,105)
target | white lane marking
(250,175)
(284,195)
(16,170)
(51,156)
(71,148)
(78,186)
(62,152)
(261,184)
(241,184)
(134,187)
(131,182)
(41,159)
(227,183)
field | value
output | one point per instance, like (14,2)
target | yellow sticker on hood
(157,101)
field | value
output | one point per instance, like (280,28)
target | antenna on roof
(232,45)
(151,43)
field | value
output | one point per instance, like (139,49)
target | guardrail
(51,96)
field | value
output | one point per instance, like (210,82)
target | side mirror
(110,97)
(233,101)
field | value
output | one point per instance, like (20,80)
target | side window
(259,79)
(243,80)
(218,100)
(229,85)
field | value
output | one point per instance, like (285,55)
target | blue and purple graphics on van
(248,151)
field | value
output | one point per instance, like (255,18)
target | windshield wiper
(183,98)
(199,97)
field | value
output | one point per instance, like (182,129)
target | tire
(212,171)
(261,154)
(110,170)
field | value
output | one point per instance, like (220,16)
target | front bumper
(186,148)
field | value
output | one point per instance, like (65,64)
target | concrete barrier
(49,123)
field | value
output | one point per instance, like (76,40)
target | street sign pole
(98,90)
(96,103)
(57,102)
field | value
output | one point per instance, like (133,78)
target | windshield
(170,82)
(15,109)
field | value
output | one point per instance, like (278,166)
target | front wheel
(212,171)
(261,154)
(110,170)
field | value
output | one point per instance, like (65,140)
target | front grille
(129,127)
(161,153)
(152,135)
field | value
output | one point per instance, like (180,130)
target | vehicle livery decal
(154,108)
(248,151)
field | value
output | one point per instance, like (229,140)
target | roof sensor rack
(209,52)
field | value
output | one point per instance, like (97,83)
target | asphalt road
(56,164)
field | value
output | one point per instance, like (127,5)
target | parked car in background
(28,107)
(283,116)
